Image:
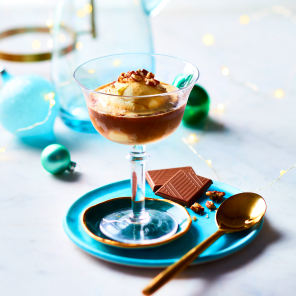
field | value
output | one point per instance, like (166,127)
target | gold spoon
(238,212)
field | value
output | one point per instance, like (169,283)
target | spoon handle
(180,265)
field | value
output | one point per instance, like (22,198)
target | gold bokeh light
(62,38)
(244,19)
(279,93)
(193,138)
(208,39)
(49,23)
(117,62)
(79,45)
(36,44)
(225,71)
(220,107)
(80,13)
(49,96)
(87,8)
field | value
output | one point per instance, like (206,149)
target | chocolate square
(184,188)
(157,178)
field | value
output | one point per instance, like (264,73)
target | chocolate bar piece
(184,188)
(157,178)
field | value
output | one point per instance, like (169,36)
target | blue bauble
(24,102)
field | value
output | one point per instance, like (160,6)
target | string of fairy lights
(277,93)
(193,138)
(245,20)
(208,40)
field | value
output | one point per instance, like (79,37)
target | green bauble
(198,106)
(55,159)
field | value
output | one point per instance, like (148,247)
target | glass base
(154,227)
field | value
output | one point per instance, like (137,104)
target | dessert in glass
(132,99)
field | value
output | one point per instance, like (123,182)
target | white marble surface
(249,144)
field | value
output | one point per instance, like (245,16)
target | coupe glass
(136,128)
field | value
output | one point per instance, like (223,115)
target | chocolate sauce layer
(137,130)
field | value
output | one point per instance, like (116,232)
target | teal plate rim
(79,237)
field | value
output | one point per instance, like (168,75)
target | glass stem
(137,158)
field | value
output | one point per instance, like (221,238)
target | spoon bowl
(238,212)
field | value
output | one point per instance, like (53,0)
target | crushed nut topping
(194,218)
(210,205)
(136,77)
(140,75)
(216,196)
(151,82)
(150,75)
(197,208)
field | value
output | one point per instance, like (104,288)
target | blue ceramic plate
(161,256)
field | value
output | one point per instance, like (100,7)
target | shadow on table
(212,125)
(213,270)
(72,140)
(210,272)
(68,177)
(208,125)
(38,142)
